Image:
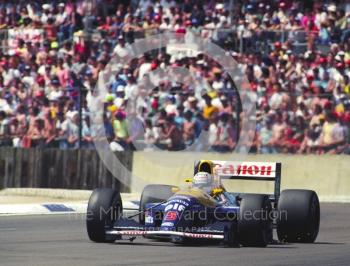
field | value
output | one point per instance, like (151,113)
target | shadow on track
(174,245)
(328,243)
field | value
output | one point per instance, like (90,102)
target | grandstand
(295,55)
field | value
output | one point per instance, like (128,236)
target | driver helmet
(203,180)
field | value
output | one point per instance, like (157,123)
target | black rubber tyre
(231,236)
(299,216)
(255,221)
(153,194)
(104,209)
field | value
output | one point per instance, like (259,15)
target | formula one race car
(203,210)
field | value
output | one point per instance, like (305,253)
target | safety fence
(54,168)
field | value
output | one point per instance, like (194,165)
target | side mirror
(174,189)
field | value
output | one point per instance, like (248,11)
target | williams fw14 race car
(202,211)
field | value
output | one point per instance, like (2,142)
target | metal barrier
(54,168)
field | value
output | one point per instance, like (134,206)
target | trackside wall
(55,168)
(328,175)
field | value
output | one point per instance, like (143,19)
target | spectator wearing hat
(55,90)
(119,100)
(69,134)
(121,49)
(191,104)
(46,13)
(61,18)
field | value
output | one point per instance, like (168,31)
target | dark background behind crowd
(295,54)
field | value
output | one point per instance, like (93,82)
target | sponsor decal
(135,233)
(175,207)
(201,178)
(198,235)
(178,201)
(149,219)
(245,169)
(167,224)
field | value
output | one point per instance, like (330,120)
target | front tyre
(104,209)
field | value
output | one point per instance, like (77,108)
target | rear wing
(259,171)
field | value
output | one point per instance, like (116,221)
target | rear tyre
(153,194)
(254,221)
(299,216)
(104,209)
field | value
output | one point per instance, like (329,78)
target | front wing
(160,233)
(131,228)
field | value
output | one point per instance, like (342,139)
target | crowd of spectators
(301,87)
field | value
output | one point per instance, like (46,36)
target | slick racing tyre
(254,221)
(104,209)
(153,194)
(299,216)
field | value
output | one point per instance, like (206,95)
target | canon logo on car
(250,170)
(245,169)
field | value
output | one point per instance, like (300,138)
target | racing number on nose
(171,216)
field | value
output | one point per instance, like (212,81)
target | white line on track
(7,229)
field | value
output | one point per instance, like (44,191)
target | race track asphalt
(62,240)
